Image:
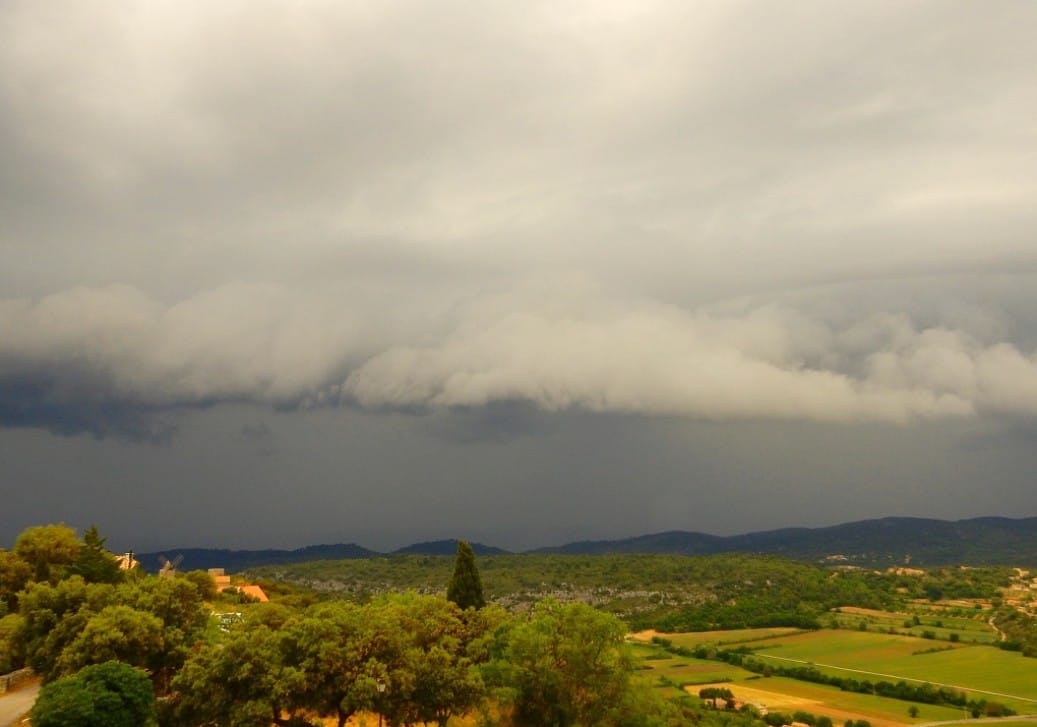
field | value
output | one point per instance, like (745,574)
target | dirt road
(14,704)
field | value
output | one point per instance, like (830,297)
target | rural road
(14,704)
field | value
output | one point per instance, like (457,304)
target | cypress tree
(465,587)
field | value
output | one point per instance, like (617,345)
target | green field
(982,671)
(727,638)
(972,628)
(680,671)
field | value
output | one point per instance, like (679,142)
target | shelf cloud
(90,348)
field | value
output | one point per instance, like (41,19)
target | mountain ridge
(887,541)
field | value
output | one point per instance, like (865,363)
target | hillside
(233,561)
(446,547)
(870,543)
(236,560)
(881,542)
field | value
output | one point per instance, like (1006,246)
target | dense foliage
(105,642)
(383,639)
(668,592)
(111,694)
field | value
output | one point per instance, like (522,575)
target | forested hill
(889,541)
(236,560)
(882,542)
(446,547)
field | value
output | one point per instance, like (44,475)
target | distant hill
(885,541)
(446,547)
(237,560)
(872,543)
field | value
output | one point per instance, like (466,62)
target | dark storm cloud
(33,401)
(497,421)
(256,432)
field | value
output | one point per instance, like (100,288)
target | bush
(111,694)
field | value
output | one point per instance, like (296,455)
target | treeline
(756,592)
(955,583)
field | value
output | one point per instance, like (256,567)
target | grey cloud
(558,344)
(256,432)
(667,148)
(660,359)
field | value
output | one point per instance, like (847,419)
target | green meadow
(991,673)
(679,671)
(970,628)
(983,672)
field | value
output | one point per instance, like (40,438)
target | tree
(47,546)
(715,693)
(246,681)
(569,665)
(14,574)
(105,695)
(94,562)
(54,616)
(344,650)
(465,587)
(117,633)
(12,643)
(177,603)
(441,681)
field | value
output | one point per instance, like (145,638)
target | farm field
(675,672)
(719,638)
(780,694)
(990,672)
(968,629)
(983,672)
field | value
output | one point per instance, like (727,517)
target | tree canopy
(111,694)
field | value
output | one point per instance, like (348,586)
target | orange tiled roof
(256,592)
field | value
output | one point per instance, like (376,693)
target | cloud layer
(89,349)
(657,210)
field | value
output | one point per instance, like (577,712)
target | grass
(972,628)
(682,671)
(885,657)
(891,657)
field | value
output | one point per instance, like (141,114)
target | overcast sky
(280,273)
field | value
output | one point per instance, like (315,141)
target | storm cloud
(93,350)
(512,218)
